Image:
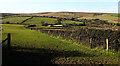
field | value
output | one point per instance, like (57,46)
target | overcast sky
(35,6)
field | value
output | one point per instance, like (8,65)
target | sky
(37,6)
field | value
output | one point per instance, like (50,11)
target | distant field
(61,14)
(0,19)
(37,21)
(112,18)
(61,51)
(14,19)
(71,22)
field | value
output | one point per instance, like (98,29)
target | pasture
(112,18)
(37,21)
(12,19)
(34,47)
(71,22)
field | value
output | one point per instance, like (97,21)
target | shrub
(31,25)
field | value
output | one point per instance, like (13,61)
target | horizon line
(57,11)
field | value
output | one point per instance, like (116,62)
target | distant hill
(63,14)
(8,14)
(110,17)
(59,14)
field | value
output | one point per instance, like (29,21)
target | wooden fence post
(90,40)
(59,35)
(48,31)
(91,43)
(106,44)
(117,45)
(9,38)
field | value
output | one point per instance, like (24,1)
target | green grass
(78,26)
(37,21)
(14,19)
(26,38)
(115,14)
(71,22)
(109,17)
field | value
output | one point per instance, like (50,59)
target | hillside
(61,38)
(63,14)
(33,47)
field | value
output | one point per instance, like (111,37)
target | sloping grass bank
(31,46)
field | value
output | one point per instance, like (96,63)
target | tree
(32,26)
(8,22)
(74,24)
(84,23)
(96,19)
(55,22)
(72,19)
(59,21)
(43,23)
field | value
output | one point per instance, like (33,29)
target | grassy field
(112,18)
(31,46)
(37,21)
(71,22)
(14,19)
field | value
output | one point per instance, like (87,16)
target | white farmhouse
(58,25)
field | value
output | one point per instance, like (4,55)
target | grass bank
(37,47)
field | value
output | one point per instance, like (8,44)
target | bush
(118,24)
(7,22)
(32,26)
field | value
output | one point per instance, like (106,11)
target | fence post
(90,40)
(9,46)
(91,43)
(48,31)
(106,44)
(117,45)
(59,35)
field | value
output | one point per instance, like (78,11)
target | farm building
(58,25)
(50,25)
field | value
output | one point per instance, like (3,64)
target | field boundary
(8,39)
(26,20)
(79,36)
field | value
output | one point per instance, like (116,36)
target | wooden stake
(91,43)
(9,46)
(90,40)
(106,44)
(59,35)
(48,31)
